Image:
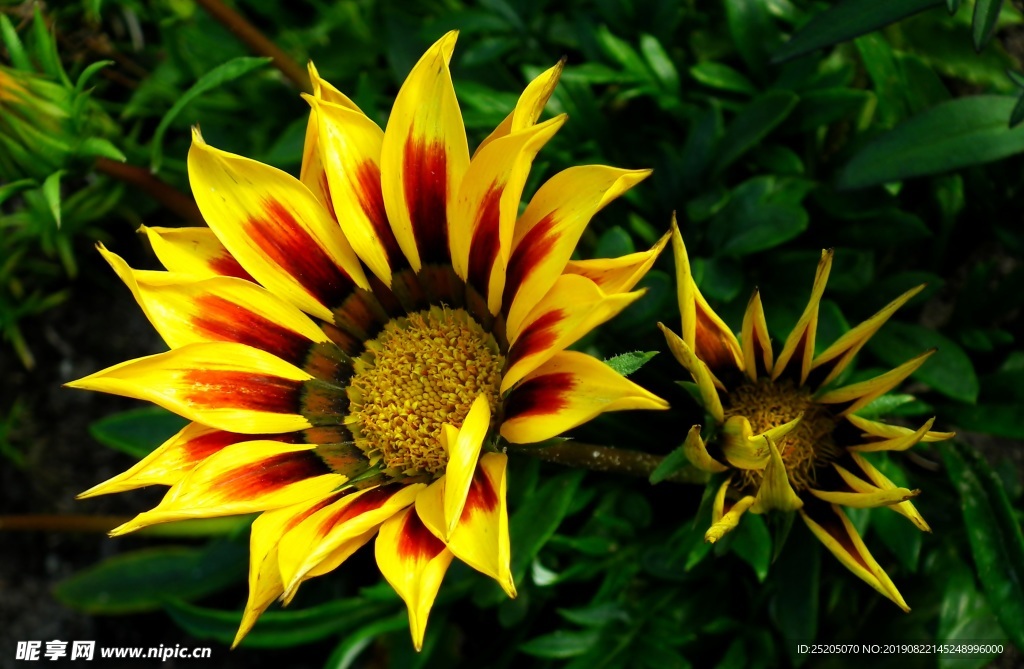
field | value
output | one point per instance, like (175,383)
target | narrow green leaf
(278,629)
(659,62)
(753,544)
(15,49)
(994,534)
(1017,115)
(796,574)
(88,73)
(99,147)
(949,370)
(51,193)
(753,31)
(534,523)
(562,644)
(354,643)
(762,213)
(627,363)
(669,465)
(229,71)
(986,15)
(848,19)
(143,580)
(722,77)
(595,615)
(1004,419)
(138,431)
(952,6)
(952,135)
(965,615)
(614,243)
(45,48)
(11,189)
(752,124)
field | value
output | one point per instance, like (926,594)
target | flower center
(422,371)
(806,447)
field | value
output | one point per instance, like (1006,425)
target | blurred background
(775,128)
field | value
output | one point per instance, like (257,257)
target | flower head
(789,440)
(350,344)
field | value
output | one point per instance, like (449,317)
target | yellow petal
(414,562)
(231,387)
(529,106)
(697,453)
(757,345)
(705,380)
(837,357)
(703,331)
(568,390)
(480,538)
(618,275)
(865,500)
(424,157)
(871,479)
(483,217)
(547,232)
(775,491)
(572,308)
(857,395)
(194,251)
(725,514)
(739,446)
(274,227)
(835,530)
(874,428)
(800,343)
(246,477)
(900,443)
(463,453)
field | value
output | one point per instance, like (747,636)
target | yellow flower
(788,440)
(350,344)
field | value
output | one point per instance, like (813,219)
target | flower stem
(607,459)
(173,199)
(257,42)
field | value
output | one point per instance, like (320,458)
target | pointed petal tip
(197,136)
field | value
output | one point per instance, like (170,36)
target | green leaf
(796,575)
(994,534)
(562,644)
(143,580)
(88,73)
(965,615)
(100,148)
(1017,115)
(669,465)
(959,133)
(722,77)
(15,49)
(595,615)
(752,124)
(659,62)
(138,431)
(949,371)
(753,32)
(762,213)
(848,19)
(279,629)
(9,190)
(229,71)
(627,363)
(753,544)
(1000,419)
(51,193)
(614,243)
(534,523)
(829,105)
(354,643)
(986,15)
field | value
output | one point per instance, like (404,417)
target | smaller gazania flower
(788,440)
(352,345)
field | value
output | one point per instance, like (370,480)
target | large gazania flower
(350,344)
(789,440)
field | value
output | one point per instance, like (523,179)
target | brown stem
(61,523)
(173,199)
(607,459)
(257,42)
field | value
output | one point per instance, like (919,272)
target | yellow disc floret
(806,447)
(422,371)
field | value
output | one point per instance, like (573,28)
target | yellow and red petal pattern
(865,477)
(414,562)
(756,343)
(481,537)
(703,331)
(573,307)
(874,428)
(185,310)
(831,526)
(245,477)
(231,387)
(726,514)
(800,343)
(706,381)
(857,395)
(529,106)
(194,251)
(618,275)
(900,443)
(463,453)
(697,453)
(482,220)
(424,157)
(264,576)
(351,147)
(546,234)
(314,539)
(276,229)
(568,390)
(833,360)
(176,457)
(775,492)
